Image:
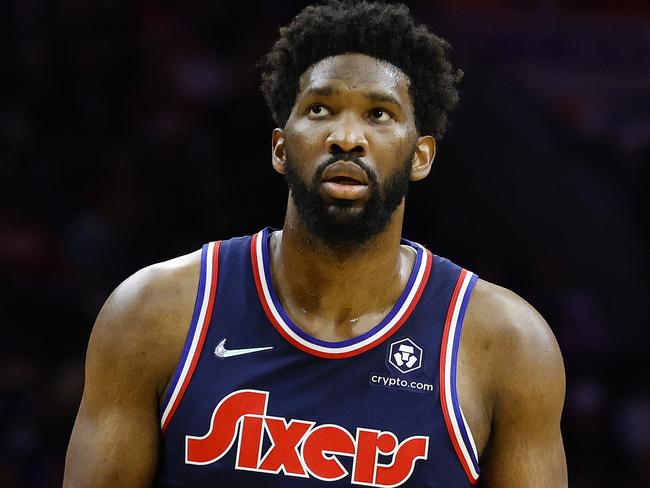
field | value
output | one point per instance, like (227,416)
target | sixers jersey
(255,401)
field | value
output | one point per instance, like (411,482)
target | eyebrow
(377,97)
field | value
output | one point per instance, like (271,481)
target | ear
(425,152)
(278,151)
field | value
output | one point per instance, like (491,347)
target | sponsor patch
(405,355)
(389,381)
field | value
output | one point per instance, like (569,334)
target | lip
(345,169)
(344,190)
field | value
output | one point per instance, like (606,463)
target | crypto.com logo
(405,355)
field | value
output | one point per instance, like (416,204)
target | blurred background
(132,132)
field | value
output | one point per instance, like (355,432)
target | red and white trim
(343,349)
(459,432)
(196,334)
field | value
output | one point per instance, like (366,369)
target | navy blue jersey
(255,401)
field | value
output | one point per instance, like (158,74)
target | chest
(254,401)
(274,413)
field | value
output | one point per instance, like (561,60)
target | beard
(342,224)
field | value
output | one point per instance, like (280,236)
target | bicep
(116,434)
(525,448)
(111,447)
(523,454)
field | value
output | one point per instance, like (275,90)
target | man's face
(350,145)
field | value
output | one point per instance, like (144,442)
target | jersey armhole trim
(459,432)
(196,334)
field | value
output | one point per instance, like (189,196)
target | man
(329,352)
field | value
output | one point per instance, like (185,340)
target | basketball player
(332,352)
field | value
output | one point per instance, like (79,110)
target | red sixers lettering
(299,448)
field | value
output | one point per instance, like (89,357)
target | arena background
(132,132)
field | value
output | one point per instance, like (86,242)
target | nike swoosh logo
(221,352)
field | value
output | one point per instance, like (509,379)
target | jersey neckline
(276,314)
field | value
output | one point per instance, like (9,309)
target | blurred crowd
(132,132)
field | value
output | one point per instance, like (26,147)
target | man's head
(361,93)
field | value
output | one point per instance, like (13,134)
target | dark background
(132,132)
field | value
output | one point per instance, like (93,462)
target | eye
(318,111)
(380,115)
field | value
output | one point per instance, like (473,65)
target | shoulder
(156,289)
(144,322)
(508,325)
(514,346)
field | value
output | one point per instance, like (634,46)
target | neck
(332,294)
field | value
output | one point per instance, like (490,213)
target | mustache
(353,158)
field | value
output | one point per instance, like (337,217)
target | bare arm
(131,354)
(525,447)
(526,394)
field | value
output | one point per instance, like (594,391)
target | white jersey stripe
(448,389)
(200,325)
(469,433)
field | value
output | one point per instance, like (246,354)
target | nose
(347,137)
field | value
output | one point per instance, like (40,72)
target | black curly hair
(377,29)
